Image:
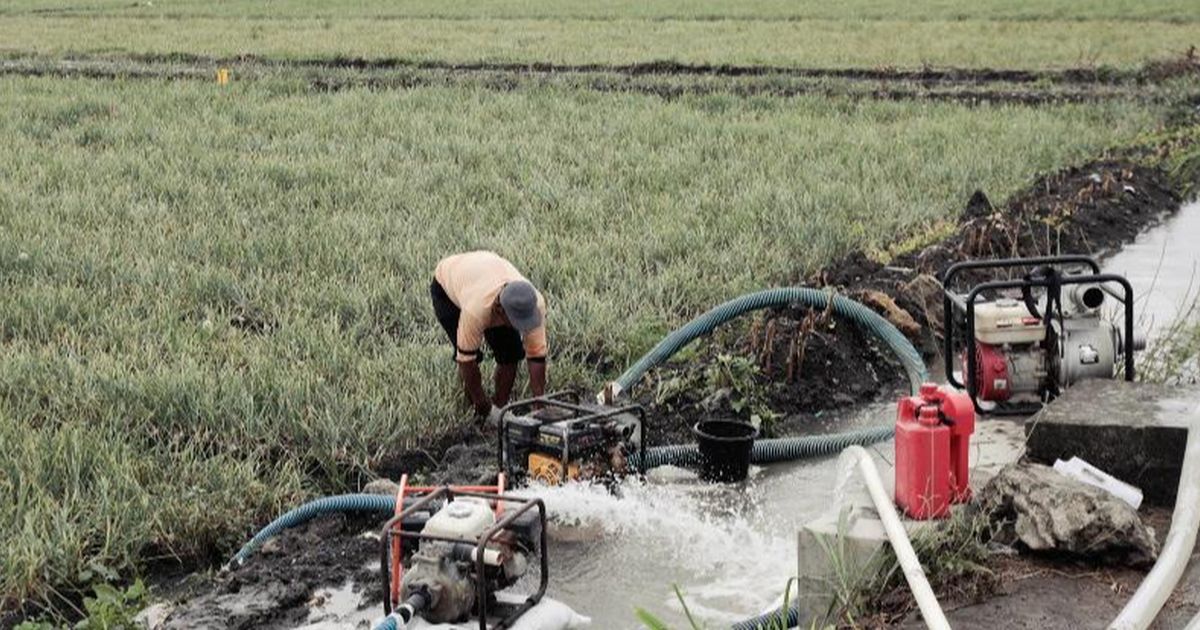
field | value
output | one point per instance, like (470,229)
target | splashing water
(612,554)
(731,548)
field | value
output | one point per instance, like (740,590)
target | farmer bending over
(478,296)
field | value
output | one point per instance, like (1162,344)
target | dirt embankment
(1089,209)
(668,80)
(809,363)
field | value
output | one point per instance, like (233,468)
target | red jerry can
(923,486)
(959,413)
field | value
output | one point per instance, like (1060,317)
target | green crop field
(1003,33)
(214,298)
(947,10)
(806,43)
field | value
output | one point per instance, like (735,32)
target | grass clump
(954,556)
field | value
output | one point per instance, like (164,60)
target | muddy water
(1163,265)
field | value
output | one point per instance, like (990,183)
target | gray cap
(520,303)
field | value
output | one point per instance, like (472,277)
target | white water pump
(449,553)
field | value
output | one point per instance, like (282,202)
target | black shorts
(504,341)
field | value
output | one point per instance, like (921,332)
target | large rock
(1048,511)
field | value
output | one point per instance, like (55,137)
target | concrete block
(843,547)
(836,551)
(1135,432)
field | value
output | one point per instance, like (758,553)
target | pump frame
(392,538)
(569,401)
(954,303)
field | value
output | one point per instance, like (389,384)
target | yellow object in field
(549,470)
(223,76)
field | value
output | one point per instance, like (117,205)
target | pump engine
(475,543)
(556,438)
(1024,340)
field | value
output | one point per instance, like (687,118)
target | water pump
(1024,340)
(476,541)
(557,438)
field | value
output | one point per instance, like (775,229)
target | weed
(742,379)
(110,608)
(954,556)
(1174,355)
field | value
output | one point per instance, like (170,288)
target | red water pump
(1022,340)
(933,437)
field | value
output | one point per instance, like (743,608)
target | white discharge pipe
(931,611)
(1158,585)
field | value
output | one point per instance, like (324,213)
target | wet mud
(277,586)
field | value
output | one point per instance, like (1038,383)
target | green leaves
(113,608)
(109,608)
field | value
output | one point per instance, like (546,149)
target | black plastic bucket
(725,447)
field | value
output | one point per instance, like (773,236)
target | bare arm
(472,381)
(537,377)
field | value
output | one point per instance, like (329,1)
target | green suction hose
(780,449)
(374,503)
(816,299)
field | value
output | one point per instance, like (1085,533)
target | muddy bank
(809,363)
(1186,62)
(1090,209)
(658,79)
(275,589)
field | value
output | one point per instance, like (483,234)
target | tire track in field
(667,80)
(929,74)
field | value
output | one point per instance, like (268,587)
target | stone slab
(1136,432)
